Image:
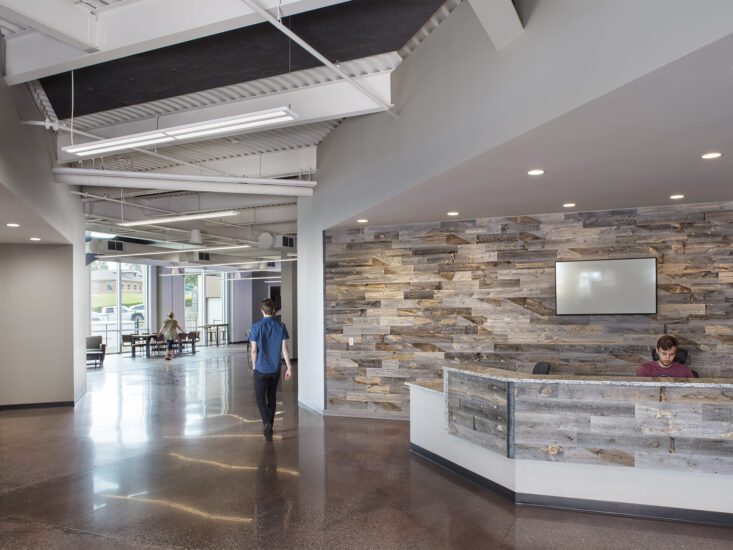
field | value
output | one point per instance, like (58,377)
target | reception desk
(637,446)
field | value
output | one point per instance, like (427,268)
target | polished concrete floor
(171,455)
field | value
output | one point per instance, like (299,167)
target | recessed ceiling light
(536,172)
(712,155)
(453,213)
(362,220)
(13,224)
(35,239)
(676,197)
(569,205)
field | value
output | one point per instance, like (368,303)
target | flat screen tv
(606,287)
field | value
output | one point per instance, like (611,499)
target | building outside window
(117,298)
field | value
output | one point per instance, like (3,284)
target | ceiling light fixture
(175,251)
(536,172)
(189,131)
(242,264)
(362,220)
(569,205)
(712,155)
(182,218)
(12,224)
(35,238)
(195,236)
(676,197)
(100,235)
(453,213)
(240,278)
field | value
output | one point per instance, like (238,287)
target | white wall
(26,157)
(170,297)
(458,97)
(36,337)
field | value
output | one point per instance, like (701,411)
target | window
(114,312)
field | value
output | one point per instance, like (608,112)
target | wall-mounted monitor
(606,287)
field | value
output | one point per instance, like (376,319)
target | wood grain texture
(415,298)
(658,427)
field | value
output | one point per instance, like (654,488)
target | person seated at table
(169,331)
(665,366)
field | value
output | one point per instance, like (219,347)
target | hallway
(171,455)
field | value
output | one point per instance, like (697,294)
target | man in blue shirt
(267,342)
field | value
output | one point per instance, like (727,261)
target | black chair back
(541,368)
(680,357)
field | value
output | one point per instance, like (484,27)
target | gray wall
(241,309)
(457,97)
(260,291)
(36,335)
(26,158)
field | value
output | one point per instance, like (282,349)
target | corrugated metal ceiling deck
(237,92)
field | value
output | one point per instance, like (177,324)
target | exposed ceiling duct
(178,182)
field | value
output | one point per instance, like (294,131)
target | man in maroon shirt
(666,365)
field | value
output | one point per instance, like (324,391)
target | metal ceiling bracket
(320,57)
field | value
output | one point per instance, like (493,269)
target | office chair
(541,368)
(680,357)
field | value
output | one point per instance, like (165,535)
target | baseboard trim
(307,406)
(364,414)
(36,405)
(463,472)
(582,505)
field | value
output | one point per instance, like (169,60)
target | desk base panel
(578,504)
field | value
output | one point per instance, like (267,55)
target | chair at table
(212,335)
(96,351)
(126,343)
(158,345)
(224,333)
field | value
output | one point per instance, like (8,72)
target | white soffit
(8,28)
(119,30)
(499,19)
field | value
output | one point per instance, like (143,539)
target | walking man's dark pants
(266,394)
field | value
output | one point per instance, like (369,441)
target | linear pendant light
(183,218)
(178,133)
(175,251)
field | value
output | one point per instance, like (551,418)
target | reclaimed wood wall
(404,301)
(660,426)
(663,427)
(477,410)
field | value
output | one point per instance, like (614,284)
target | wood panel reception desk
(638,446)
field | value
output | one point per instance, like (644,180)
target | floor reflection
(171,454)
